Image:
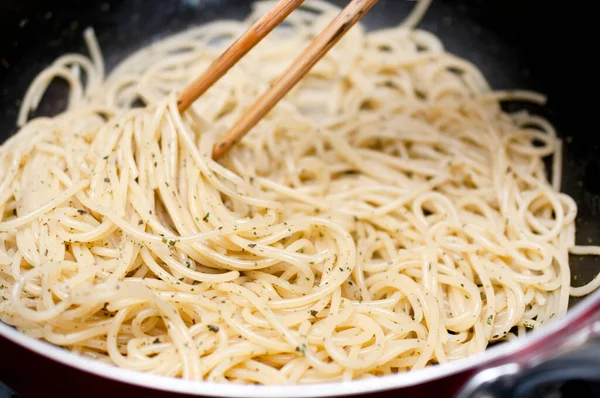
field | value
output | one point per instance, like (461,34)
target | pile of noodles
(386,215)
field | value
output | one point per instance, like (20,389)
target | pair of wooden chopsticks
(299,68)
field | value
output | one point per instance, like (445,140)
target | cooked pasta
(385,216)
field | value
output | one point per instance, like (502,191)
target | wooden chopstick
(245,43)
(301,66)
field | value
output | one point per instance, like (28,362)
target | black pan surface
(539,45)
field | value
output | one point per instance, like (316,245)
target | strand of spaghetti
(416,14)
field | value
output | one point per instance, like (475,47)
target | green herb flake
(301,349)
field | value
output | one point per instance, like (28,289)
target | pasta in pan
(385,216)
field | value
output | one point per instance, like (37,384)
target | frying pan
(539,45)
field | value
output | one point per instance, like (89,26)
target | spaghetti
(387,214)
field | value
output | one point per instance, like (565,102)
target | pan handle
(578,361)
(516,381)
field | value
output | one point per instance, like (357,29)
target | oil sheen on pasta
(387,214)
